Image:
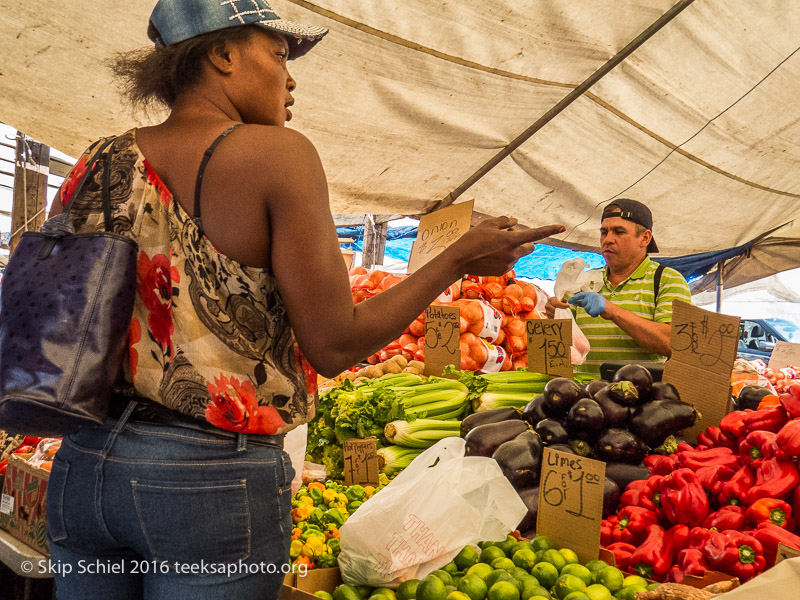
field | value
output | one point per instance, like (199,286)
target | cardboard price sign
(360,461)
(785,552)
(704,348)
(442,337)
(784,354)
(437,230)
(571,502)
(549,342)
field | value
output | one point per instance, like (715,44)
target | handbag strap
(89,168)
(107,188)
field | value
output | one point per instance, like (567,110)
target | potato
(412,370)
(392,366)
(400,360)
(418,365)
(373,372)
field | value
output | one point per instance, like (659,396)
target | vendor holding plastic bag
(625,310)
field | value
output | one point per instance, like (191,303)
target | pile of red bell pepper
(724,505)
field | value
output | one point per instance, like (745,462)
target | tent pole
(720,264)
(576,93)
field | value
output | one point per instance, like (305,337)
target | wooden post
(374,243)
(31,168)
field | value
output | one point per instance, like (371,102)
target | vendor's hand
(552,304)
(592,302)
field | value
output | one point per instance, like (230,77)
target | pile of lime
(510,570)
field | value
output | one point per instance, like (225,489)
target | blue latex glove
(592,302)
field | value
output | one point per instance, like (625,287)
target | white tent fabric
(406,100)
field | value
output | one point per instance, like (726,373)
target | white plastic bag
(295,446)
(570,280)
(418,523)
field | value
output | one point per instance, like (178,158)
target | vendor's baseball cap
(633,211)
(174,21)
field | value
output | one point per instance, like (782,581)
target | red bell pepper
(714,437)
(697,459)
(698,537)
(638,493)
(735,553)
(733,424)
(770,510)
(774,479)
(713,478)
(756,447)
(733,491)
(607,528)
(727,517)
(788,440)
(770,535)
(692,561)
(653,558)
(796,501)
(622,554)
(661,465)
(634,522)
(772,418)
(683,498)
(791,400)
(679,537)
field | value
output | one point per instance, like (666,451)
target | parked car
(757,337)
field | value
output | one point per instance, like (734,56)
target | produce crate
(22,505)
(299,587)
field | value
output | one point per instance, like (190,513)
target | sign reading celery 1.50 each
(571,502)
(442,337)
(549,342)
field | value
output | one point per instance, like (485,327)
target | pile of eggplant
(619,422)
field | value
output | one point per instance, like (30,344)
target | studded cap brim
(301,38)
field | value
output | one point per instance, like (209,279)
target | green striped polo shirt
(609,342)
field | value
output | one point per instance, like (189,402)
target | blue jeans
(163,512)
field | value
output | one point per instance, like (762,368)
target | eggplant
(562,447)
(611,495)
(623,473)
(620,445)
(560,394)
(585,420)
(527,527)
(750,397)
(624,392)
(595,385)
(615,414)
(534,411)
(494,415)
(520,459)
(484,439)
(655,421)
(552,431)
(664,391)
(638,376)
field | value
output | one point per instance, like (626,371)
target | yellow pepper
(295,549)
(328,496)
(342,498)
(369,490)
(301,513)
(305,501)
(342,506)
(314,546)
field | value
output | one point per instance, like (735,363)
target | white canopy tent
(406,101)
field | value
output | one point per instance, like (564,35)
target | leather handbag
(66,303)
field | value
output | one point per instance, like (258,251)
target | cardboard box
(22,504)
(298,587)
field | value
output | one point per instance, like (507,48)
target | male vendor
(629,317)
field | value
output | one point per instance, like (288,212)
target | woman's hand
(552,304)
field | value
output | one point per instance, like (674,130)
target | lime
(481,570)
(596,565)
(520,546)
(450,589)
(519,574)
(364,591)
(540,597)
(555,558)
(444,576)
(579,571)
(508,544)
(531,590)
(466,558)
(567,584)
(542,542)
(634,580)
(323,594)
(431,588)
(503,563)
(629,592)
(524,558)
(577,596)
(652,586)
(407,590)
(385,592)
(458,596)
(598,592)
(451,568)
(346,592)
(569,555)
(501,575)
(473,586)
(503,590)
(491,553)
(611,577)
(546,573)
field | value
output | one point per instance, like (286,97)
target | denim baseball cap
(174,21)
(634,211)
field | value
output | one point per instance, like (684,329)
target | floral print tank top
(209,337)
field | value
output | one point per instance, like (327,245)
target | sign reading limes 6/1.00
(571,502)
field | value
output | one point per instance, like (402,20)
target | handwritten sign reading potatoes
(360,461)
(442,336)
(549,342)
(571,502)
(437,230)
(703,350)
